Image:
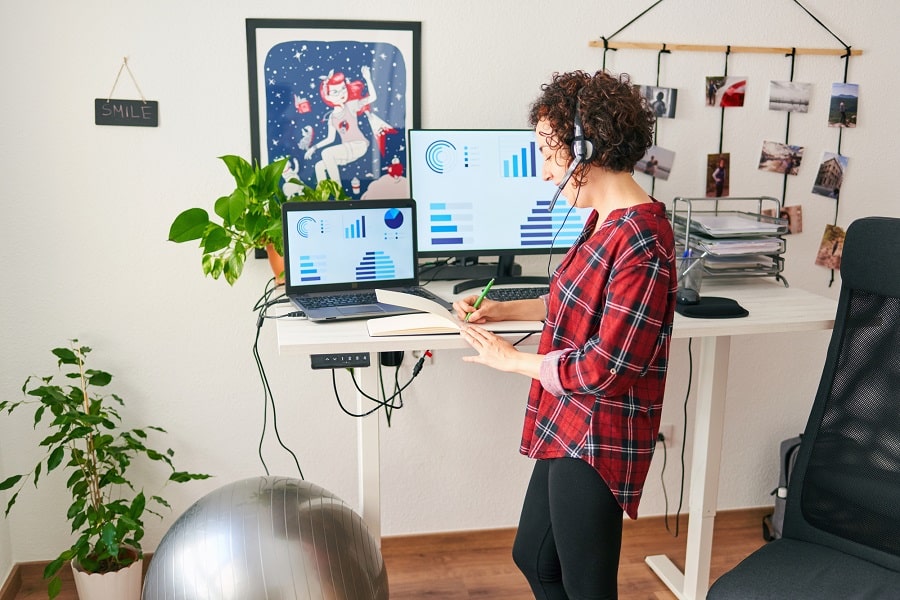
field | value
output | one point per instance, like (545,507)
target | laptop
(336,254)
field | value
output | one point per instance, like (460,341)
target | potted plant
(250,217)
(88,441)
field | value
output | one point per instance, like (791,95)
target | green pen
(480,297)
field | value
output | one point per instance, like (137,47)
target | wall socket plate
(668,432)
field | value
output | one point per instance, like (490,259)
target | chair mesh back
(851,488)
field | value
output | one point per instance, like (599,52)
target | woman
(598,375)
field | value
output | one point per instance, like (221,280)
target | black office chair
(842,522)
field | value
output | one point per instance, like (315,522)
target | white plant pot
(124,584)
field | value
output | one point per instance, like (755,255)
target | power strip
(340,361)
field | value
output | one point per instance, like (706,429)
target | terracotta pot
(276,261)
(124,584)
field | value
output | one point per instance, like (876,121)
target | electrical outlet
(667,430)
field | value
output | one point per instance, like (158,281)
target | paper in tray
(726,224)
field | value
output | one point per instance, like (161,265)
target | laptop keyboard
(355,299)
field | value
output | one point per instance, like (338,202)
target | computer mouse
(687,296)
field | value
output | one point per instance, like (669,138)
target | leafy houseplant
(250,216)
(88,440)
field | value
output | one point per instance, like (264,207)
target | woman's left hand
(493,351)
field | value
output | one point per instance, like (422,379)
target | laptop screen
(363,244)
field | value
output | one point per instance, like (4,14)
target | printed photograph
(789,96)
(661,99)
(843,105)
(725,91)
(831,248)
(830,175)
(718,174)
(657,162)
(792,214)
(780,158)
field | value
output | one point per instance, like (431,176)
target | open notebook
(432,319)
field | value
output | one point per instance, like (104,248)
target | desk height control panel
(346,360)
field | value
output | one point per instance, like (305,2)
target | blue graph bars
(522,163)
(375,265)
(356,230)
(541,227)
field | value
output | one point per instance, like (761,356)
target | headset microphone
(562,184)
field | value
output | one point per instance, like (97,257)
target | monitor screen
(479,192)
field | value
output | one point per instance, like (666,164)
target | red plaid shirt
(609,323)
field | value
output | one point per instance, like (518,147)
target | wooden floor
(462,566)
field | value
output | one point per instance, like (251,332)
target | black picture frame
(370,68)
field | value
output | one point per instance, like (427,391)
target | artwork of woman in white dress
(344,141)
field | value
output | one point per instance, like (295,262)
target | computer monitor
(479,193)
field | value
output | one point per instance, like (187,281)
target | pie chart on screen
(393,218)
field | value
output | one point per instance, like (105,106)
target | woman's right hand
(488,311)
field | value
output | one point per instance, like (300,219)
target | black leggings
(570,533)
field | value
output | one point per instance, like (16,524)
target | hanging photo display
(661,99)
(718,178)
(830,175)
(792,214)
(831,248)
(657,162)
(780,158)
(843,106)
(725,91)
(789,96)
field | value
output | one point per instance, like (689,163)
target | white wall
(87,211)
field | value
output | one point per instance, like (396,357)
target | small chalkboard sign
(128,113)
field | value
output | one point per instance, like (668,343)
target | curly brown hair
(616,119)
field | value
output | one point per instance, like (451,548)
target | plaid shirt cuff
(550,372)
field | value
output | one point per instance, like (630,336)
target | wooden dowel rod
(722,49)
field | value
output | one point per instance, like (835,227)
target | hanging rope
(656,127)
(787,128)
(722,109)
(606,47)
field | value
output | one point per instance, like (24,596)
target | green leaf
(9,505)
(189,225)
(232,207)
(239,168)
(98,378)
(183,476)
(65,356)
(55,458)
(9,482)
(54,588)
(37,473)
(216,238)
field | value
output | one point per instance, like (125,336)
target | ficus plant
(249,217)
(86,439)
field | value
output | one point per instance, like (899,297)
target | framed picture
(336,99)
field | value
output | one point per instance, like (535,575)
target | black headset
(582,152)
(582,149)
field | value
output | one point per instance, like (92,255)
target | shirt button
(612,371)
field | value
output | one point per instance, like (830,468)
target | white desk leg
(709,415)
(369,452)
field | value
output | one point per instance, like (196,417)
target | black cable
(683,447)
(563,224)
(262,305)
(623,27)
(387,403)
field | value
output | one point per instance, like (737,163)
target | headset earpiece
(582,149)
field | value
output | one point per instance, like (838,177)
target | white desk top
(773,309)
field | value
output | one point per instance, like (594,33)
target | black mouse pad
(712,307)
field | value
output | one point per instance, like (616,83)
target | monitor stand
(506,271)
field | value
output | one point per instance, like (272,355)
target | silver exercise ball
(272,538)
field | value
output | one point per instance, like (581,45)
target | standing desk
(773,309)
